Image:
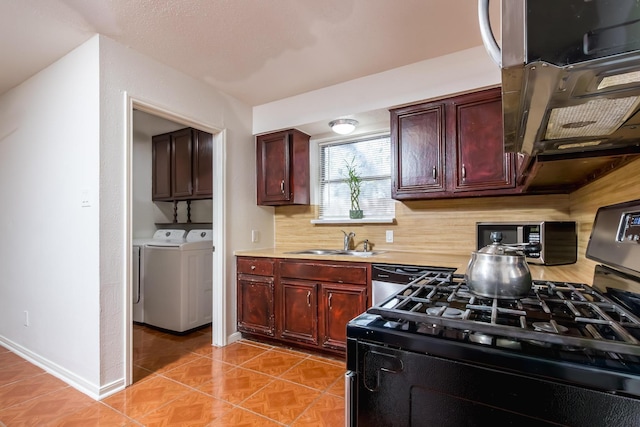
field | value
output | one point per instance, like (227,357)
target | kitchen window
(372,159)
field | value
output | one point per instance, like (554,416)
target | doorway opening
(144,217)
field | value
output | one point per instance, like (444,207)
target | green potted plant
(355,183)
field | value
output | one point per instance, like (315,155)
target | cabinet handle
(464,173)
(309,298)
(434,173)
(282,186)
(253,267)
(330,295)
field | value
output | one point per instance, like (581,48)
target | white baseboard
(109,389)
(236,336)
(81,384)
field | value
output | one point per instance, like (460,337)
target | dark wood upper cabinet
(282,161)
(476,133)
(182,165)
(418,149)
(161,167)
(202,164)
(451,148)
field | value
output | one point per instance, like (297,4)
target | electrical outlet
(389,236)
(26,318)
(255,236)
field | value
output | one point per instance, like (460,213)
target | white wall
(63,131)
(454,73)
(123,69)
(49,250)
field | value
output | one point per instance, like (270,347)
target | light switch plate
(389,236)
(84,198)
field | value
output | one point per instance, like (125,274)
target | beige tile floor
(184,381)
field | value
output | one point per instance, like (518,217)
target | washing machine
(137,263)
(137,299)
(178,277)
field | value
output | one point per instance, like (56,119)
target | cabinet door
(340,303)
(256,304)
(476,129)
(299,312)
(417,147)
(273,157)
(161,167)
(202,164)
(181,164)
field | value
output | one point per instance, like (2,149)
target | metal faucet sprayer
(348,239)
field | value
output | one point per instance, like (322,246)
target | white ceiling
(255,50)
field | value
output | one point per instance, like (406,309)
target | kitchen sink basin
(316,252)
(334,252)
(360,253)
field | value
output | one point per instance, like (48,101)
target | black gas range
(436,354)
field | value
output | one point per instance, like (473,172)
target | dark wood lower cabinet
(299,312)
(301,302)
(256,303)
(340,303)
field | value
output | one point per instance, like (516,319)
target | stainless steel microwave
(558,239)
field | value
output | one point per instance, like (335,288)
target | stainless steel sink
(317,252)
(334,252)
(360,253)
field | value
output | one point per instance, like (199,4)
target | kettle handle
(488,39)
(525,248)
(496,238)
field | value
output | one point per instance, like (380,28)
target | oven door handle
(350,401)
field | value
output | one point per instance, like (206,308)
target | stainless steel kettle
(500,270)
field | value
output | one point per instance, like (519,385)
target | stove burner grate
(571,315)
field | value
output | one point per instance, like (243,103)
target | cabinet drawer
(256,266)
(325,272)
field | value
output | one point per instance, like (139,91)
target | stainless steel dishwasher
(388,279)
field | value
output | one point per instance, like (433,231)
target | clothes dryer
(137,264)
(178,282)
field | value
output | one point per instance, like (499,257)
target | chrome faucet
(348,239)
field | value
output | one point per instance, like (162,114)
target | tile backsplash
(448,225)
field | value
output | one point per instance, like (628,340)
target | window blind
(372,158)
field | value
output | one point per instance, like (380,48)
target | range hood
(570,74)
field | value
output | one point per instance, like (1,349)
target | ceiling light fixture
(343,126)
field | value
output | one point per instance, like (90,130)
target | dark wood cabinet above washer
(182,165)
